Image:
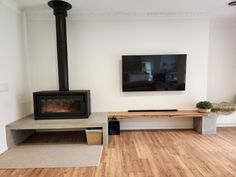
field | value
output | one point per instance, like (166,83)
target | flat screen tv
(153,72)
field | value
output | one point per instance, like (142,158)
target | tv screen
(153,72)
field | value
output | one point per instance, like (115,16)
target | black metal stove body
(62,104)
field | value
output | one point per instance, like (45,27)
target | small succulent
(204,105)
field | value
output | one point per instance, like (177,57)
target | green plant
(204,105)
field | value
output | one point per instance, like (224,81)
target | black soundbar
(154,110)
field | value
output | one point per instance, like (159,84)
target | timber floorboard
(155,153)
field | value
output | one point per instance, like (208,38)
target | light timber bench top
(169,114)
(204,123)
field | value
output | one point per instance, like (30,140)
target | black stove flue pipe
(60,11)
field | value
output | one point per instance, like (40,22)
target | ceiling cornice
(47,15)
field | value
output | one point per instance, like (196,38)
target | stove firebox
(61,105)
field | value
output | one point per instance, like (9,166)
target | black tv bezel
(123,90)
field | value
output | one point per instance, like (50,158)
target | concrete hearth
(21,129)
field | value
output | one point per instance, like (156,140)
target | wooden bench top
(170,114)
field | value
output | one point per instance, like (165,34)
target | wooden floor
(156,153)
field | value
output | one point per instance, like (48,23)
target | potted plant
(204,106)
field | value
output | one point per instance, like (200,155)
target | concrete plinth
(19,130)
(205,124)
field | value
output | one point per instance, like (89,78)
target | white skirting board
(226,120)
(226,125)
(158,123)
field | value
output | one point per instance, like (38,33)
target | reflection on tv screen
(154,72)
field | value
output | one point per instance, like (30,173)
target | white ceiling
(212,8)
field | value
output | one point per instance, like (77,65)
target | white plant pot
(204,110)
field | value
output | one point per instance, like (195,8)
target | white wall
(14,87)
(95,49)
(222,67)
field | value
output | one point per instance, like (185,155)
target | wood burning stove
(62,104)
